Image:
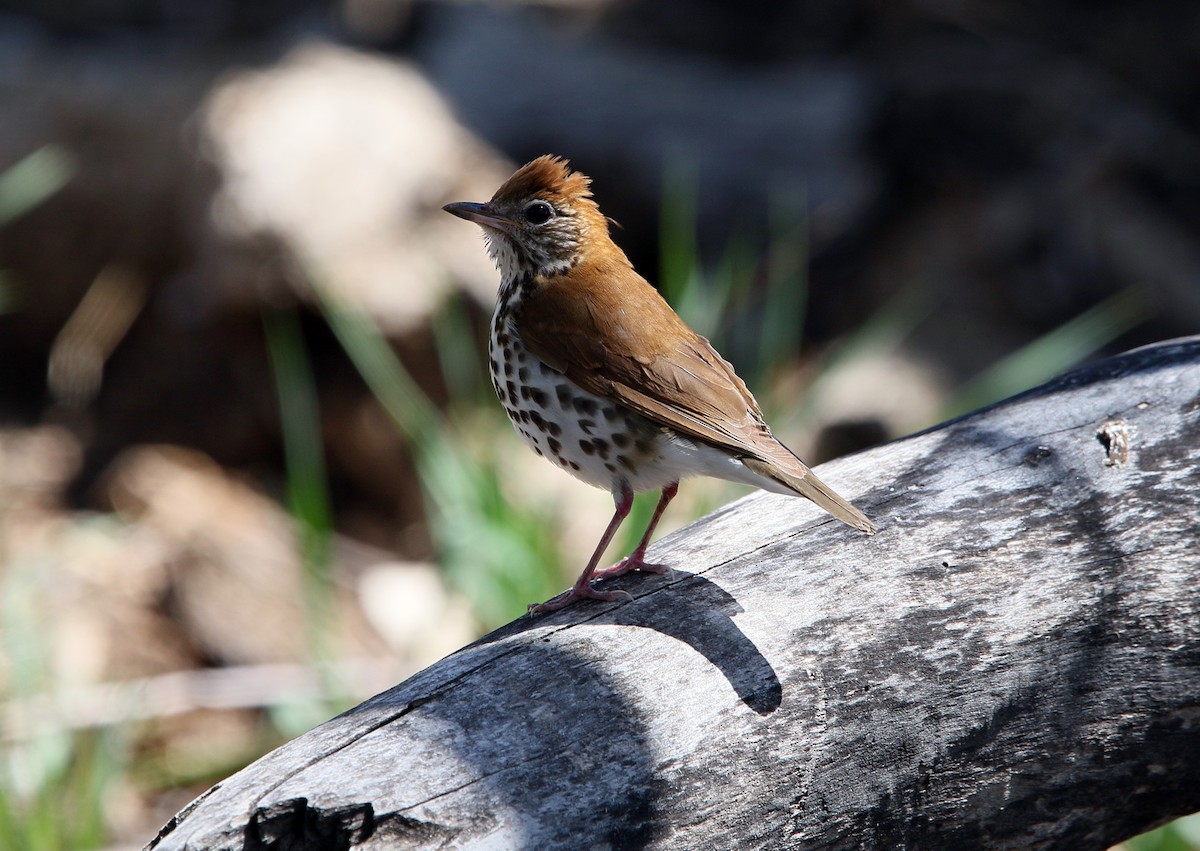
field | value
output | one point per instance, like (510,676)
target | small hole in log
(1037,454)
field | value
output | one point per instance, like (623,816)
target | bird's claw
(630,563)
(585,591)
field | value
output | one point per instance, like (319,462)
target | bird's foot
(633,561)
(579,591)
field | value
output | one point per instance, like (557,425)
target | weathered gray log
(1012,662)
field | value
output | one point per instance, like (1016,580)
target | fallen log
(1012,662)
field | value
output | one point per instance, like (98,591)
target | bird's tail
(806,484)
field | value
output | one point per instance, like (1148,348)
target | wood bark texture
(1012,662)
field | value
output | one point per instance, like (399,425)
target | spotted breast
(591,438)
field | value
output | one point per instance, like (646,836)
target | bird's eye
(539,212)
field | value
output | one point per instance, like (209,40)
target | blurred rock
(196,568)
(874,396)
(221,185)
(81,591)
(221,182)
(236,582)
(409,605)
(35,466)
(341,162)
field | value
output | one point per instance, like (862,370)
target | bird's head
(541,221)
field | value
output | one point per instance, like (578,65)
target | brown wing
(613,335)
(607,330)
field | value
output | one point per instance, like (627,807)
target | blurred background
(251,470)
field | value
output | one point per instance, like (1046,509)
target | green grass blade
(884,330)
(787,286)
(501,556)
(387,379)
(32,180)
(304,460)
(10,294)
(1180,835)
(678,247)
(457,355)
(1054,352)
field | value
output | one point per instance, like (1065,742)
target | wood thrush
(599,374)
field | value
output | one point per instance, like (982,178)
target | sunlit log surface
(1012,662)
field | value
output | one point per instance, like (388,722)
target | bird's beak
(481,214)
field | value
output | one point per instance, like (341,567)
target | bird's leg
(582,589)
(636,560)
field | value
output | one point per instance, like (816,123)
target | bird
(600,376)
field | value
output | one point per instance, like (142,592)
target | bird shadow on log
(698,613)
